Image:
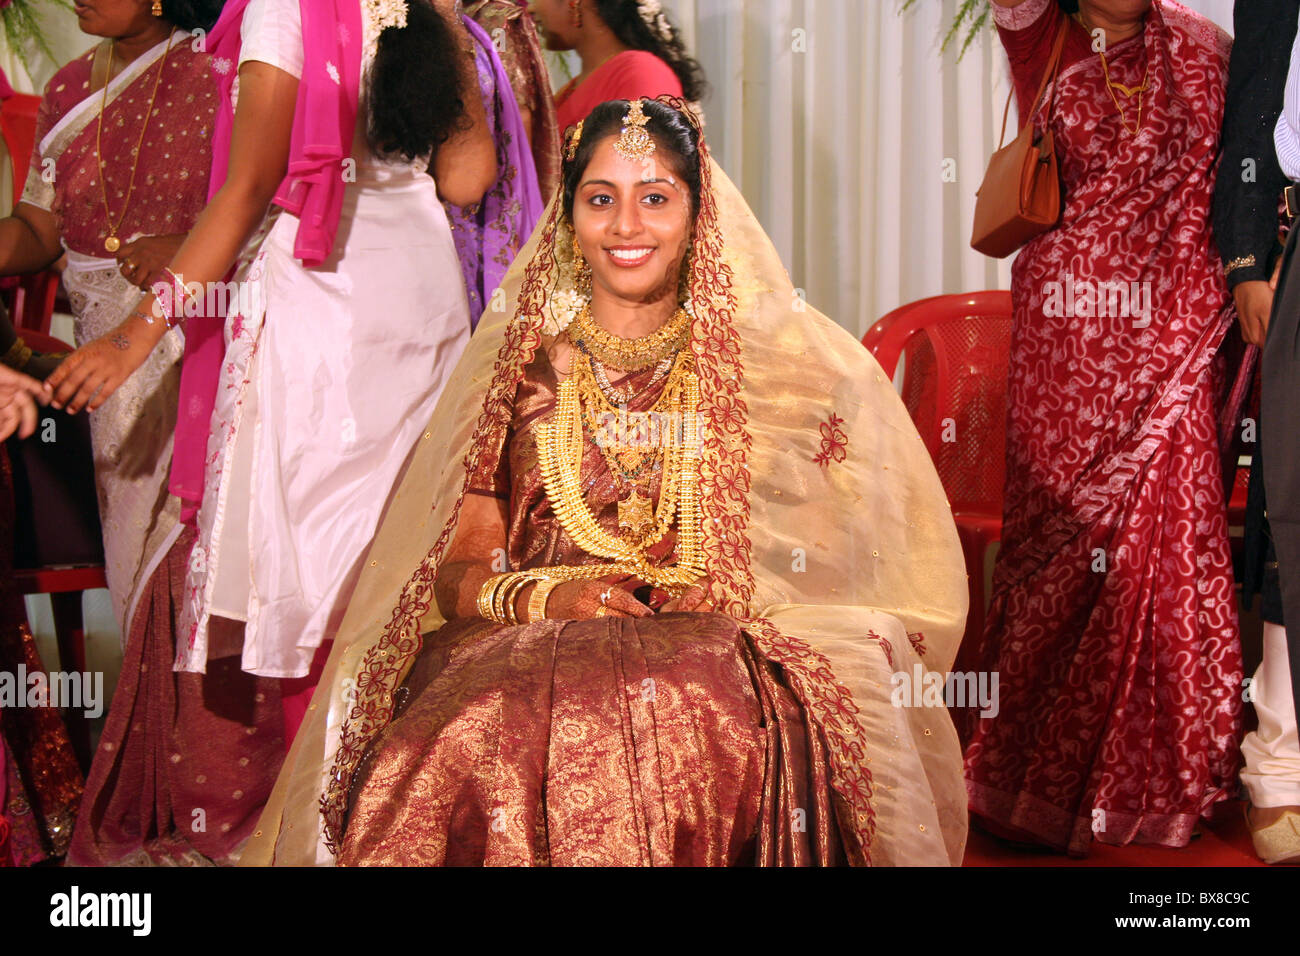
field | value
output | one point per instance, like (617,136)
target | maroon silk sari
(1113,624)
(524,746)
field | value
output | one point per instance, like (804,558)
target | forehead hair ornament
(634,142)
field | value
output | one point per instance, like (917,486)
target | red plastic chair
(31,298)
(65,585)
(18,126)
(955,350)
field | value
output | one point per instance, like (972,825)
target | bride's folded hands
(695,599)
(582,600)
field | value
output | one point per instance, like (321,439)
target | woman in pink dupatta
(1113,626)
(333,115)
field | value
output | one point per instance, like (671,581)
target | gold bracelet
(506,597)
(541,594)
(487,597)
(18,355)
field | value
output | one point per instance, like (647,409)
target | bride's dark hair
(624,18)
(1069,6)
(416,100)
(671,130)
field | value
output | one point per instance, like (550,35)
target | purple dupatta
(490,233)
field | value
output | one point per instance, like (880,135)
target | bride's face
(633,223)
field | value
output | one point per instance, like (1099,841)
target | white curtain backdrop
(858,143)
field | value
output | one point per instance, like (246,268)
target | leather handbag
(1020,197)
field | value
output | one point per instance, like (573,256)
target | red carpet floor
(1225,841)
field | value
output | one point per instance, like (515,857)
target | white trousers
(1272,773)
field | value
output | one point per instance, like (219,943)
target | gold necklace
(630,355)
(559,454)
(635,514)
(1127,91)
(112,243)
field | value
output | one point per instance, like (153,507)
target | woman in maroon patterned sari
(1113,625)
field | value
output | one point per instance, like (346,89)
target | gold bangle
(18,355)
(487,597)
(541,594)
(501,610)
(509,590)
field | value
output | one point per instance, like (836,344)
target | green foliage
(972,18)
(22,28)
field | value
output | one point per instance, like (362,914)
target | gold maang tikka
(634,142)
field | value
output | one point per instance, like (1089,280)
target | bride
(647,609)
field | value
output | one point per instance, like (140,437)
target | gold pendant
(630,460)
(636,516)
(112,244)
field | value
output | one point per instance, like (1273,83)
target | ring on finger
(604,598)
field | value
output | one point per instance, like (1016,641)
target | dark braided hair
(416,99)
(623,17)
(672,132)
(192,14)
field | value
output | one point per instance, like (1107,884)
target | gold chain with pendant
(1128,92)
(560,445)
(112,243)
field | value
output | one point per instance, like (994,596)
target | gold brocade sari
(770,735)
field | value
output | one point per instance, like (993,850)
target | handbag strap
(1053,68)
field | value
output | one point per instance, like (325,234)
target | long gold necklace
(627,455)
(630,355)
(1128,92)
(559,451)
(112,243)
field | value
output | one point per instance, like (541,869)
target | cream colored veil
(820,505)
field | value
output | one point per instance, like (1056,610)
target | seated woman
(727,539)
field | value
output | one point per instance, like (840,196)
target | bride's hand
(582,600)
(696,598)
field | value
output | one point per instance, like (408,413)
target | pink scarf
(323,126)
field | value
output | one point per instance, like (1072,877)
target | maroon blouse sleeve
(1027,33)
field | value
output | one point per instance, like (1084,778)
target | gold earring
(581,270)
(157,8)
(684,278)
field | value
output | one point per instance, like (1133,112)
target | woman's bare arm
(465,167)
(468,563)
(259,157)
(29,240)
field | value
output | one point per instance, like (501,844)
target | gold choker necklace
(630,355)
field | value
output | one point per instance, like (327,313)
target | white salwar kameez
(327,383)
